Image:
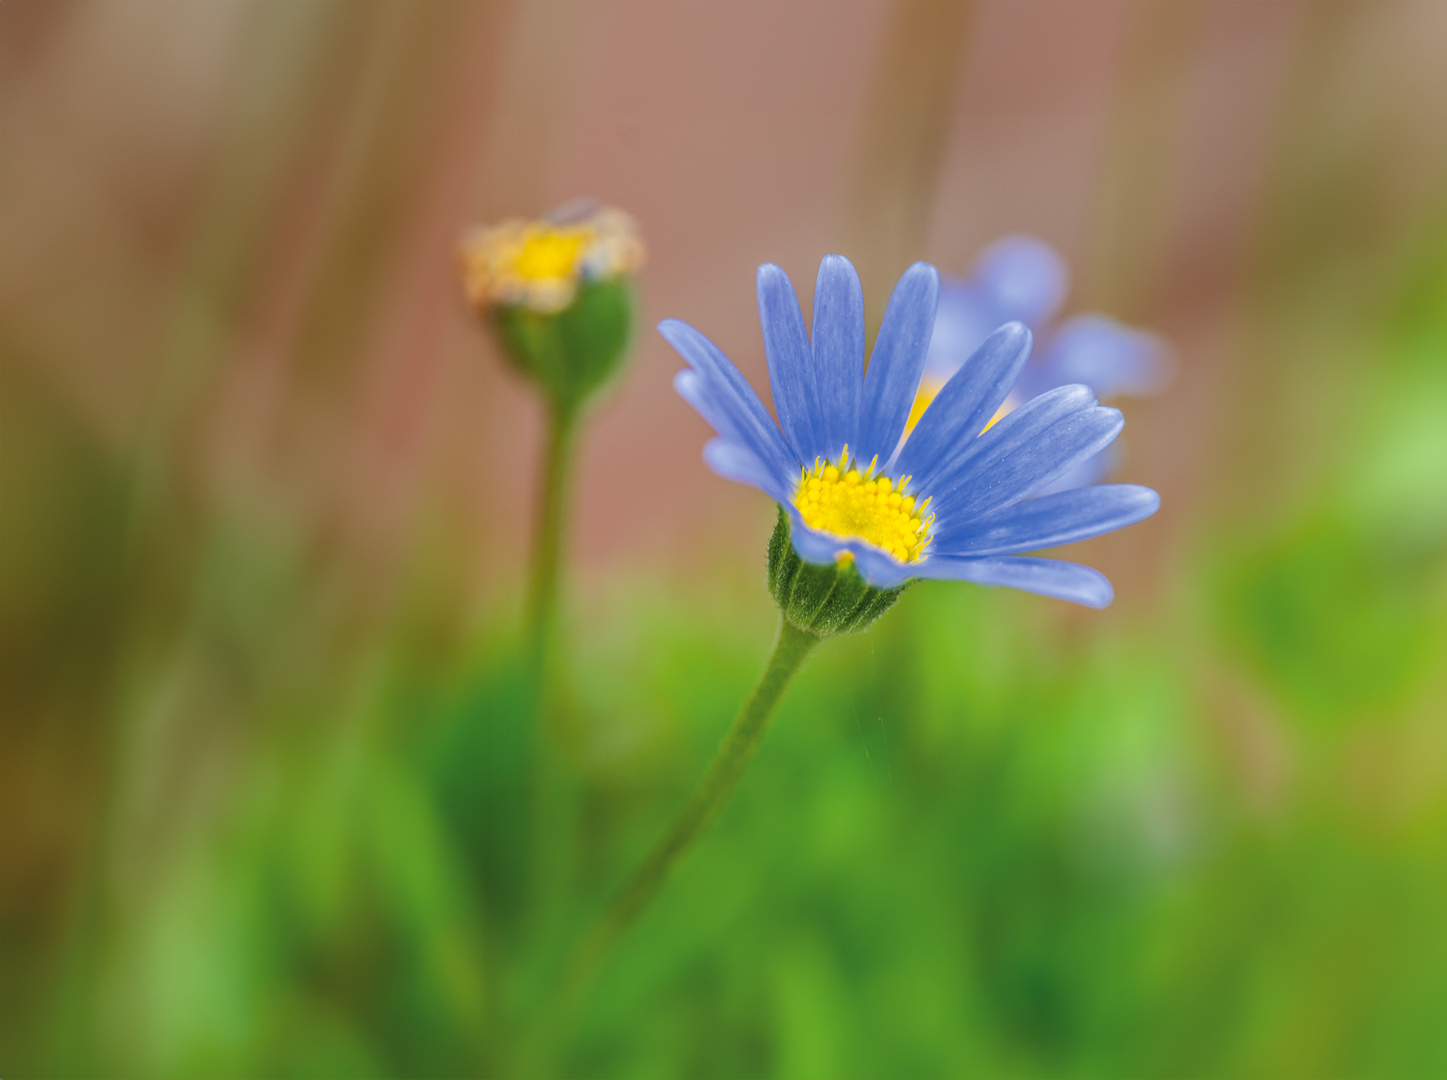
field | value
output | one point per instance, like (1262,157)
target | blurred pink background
(229,227)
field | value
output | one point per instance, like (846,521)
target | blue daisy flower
(952,499)
(1020,278)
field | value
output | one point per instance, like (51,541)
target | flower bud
(559,293)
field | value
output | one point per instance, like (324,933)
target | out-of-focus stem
(552,526)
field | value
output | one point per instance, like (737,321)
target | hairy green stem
(734,754)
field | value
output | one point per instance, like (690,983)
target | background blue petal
(964,317)
(1017,278)
(1111,358)
(1024,277)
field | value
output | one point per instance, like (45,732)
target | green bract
(573,352)
(819,599)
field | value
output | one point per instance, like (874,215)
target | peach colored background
(228,230)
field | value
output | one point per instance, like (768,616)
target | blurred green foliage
(989,837)
(982,839)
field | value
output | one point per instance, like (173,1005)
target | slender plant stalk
(734,754)
(546,787)
(551,529)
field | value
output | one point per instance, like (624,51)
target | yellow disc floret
(549,253)
(840,499)
(540,264)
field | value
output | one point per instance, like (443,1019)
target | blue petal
(1112,359)
(790,361)
(1025,277)
(1016,460)
(1030,469)
(1017,429)
(967,402)
(812,545)
(898,358)
(694,389)
(879,568)
(735,462)
(716,404)
(838,352)
(724,397)
(1048,577)
(1087,471)
(1050,520)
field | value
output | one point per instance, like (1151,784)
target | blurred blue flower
(940,503)
(1022,279)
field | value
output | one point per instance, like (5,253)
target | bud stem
(551,528)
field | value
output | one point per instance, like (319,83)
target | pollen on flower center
(550,253)
(541,264)
(840,499)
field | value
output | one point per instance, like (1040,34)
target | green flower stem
(551,529)
(544,786)
(734,754)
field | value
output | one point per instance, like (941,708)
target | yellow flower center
(550,253)
(540,264)
(839,499)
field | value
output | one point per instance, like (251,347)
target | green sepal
(574,352)
(822,600)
